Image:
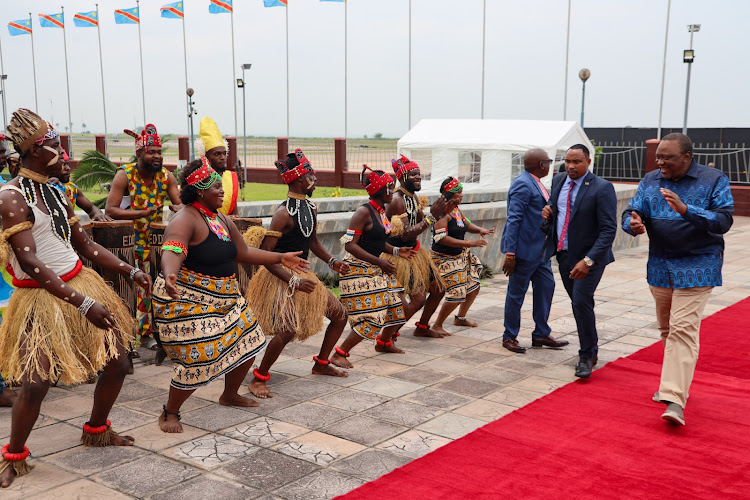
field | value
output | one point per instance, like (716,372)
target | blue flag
(220,7)
(86,19)
(275,3)
(127,16)
(52,20)
(173,11)
(22,27)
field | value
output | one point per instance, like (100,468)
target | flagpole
(67,80)
(101,67)
(33,63)
(140,51)
(663,70)
(484,47)
(346,70)
(409,65)
(567,52)
(2,86)
(287,70)
(187,97)
(234,76)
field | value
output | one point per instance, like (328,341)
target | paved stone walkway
(320,436)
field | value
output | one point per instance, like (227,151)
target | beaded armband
(174,246)
(349,236)
(440,234)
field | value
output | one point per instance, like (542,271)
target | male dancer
(213,146)
(138,193)
(290,306)
(408,221)
(58,327)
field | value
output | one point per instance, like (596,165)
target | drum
(244,271)
(155,241)
(89,228)
(118,237)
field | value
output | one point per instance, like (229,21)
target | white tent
(485,154)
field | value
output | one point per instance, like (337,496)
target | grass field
(254,191)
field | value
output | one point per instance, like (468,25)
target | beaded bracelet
(331,262)
(429,219)
(133,272)
(395,251)
(174,246)
(294,282)
(87,303)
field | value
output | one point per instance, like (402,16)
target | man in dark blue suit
(522,243)
(583,215)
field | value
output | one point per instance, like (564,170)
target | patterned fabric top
(685,251)
(71,190)
(143,197)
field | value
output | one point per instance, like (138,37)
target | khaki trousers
(678,315)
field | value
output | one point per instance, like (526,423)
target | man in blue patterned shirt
(685,208)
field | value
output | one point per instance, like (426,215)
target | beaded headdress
(377,181)
(204,177)
(295,166)
(403,165)
(453,186)
(148,137)
(27,128)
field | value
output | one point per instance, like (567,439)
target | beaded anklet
(97,436)
(341,352)
(261,377)
(384,344)
(422,326)
(319,361)
(17,461)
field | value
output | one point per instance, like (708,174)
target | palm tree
(93,170)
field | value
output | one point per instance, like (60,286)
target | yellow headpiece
(210,134)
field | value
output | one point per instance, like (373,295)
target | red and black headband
(295,166)
(403,165)
(204,177)
(377,181)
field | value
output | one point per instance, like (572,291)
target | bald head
(537,162)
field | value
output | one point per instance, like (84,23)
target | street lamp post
(241,84)
(190,93)
(584,75)
(687,57)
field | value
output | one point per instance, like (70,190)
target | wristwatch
(588,262)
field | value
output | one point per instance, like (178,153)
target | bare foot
(340,361)
(236,400)
(117,440)
(388,348)
(439,329)
(427,332)
(259,389)
(464,322)
(319,369)
(171,424)
(7,477)
(7,397)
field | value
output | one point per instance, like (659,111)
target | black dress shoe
(513,346)
(548,341)
(584,367)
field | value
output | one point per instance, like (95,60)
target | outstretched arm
(260,257)
(92,210)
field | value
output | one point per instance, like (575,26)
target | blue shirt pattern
(685,251)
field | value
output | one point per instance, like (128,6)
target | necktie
(564,232)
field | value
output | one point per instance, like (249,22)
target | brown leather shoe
(513,346)
(548,341)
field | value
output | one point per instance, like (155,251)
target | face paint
(310,183)
(54,160)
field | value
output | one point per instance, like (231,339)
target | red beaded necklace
(214,225)
(383,218)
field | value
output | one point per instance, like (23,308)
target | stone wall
(487,209)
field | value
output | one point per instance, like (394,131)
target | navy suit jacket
(593,220)
(521,234)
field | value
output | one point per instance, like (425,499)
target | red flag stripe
(87,19)
(128,15)
(52,20)
(223,5)
(20,27)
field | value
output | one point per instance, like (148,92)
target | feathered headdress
(27,128)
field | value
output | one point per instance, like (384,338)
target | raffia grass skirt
(301,313)
(38,325)
(415,274)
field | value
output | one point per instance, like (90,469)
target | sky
(620,41)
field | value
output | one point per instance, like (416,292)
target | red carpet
(603,438)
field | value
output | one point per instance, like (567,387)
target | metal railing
(732,160)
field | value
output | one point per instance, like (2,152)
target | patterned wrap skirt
(371,298)
(209,331)
(459,273)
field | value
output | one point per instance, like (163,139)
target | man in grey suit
(525,262)
(583,212)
